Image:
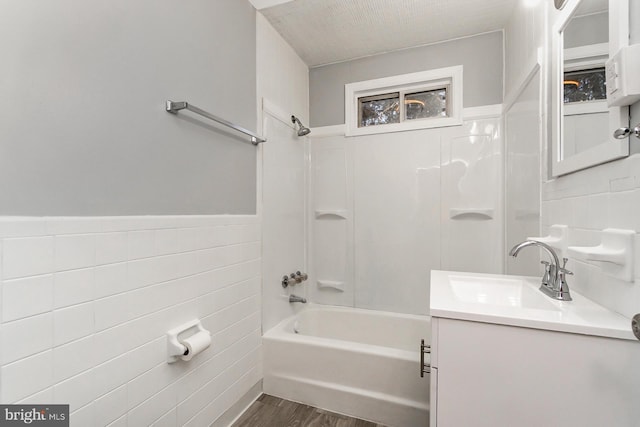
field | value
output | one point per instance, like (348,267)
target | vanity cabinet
(494,375)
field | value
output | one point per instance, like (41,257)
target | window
(379,109)
(422,105)
(396,107)
(585,85)
(585,114)
(406,102)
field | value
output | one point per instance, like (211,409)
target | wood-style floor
(269,411)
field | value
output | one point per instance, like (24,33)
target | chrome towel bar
(173,107)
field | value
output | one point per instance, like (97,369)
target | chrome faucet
(554,283)
(295,298)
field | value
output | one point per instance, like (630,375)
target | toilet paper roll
(195,344)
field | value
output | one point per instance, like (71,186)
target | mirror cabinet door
(586,34)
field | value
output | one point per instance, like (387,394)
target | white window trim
(585,57)
(586,107)
(424,80)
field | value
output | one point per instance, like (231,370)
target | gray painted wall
(83,129)
(481,56)
(634,20)
(586,30)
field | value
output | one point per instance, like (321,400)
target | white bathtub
(361,363)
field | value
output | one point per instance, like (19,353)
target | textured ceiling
(327,31)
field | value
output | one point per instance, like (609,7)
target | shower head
(303,130)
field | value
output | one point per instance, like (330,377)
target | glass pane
(585,85)
(379,110)
(420,105)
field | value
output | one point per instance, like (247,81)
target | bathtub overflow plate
(635,325)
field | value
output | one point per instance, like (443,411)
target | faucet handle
(285,281)
(563,268)
(565,271)
(563,287)
(547,266)
(547,272)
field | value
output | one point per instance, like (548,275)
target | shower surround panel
(388,208)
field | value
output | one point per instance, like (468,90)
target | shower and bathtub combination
(371,239)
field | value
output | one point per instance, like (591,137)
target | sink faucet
(554,283)
(295,298)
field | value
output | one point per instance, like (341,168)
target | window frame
(449,77)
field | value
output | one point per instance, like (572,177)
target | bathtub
(361,363)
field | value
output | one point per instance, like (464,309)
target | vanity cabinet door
(433,391)
(491,375)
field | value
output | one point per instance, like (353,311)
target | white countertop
(516,301)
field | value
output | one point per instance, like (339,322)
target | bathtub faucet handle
(294,278)
(285,281)
(301,277)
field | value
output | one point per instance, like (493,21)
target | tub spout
(295,298)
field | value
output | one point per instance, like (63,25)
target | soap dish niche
(331,214)
(614,254)
(472,213)
(331,285)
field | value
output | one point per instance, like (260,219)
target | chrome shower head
(303,130)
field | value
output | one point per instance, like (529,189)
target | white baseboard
(232,414)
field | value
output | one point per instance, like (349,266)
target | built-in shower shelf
(471,213)
(330,284)
(339,213)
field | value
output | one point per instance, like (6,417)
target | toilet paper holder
(175,349)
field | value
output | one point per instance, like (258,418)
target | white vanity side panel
(433,395)
(433,390)
(435,321)
(493,375)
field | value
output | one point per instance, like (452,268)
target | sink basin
(503,292)
(517,301)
